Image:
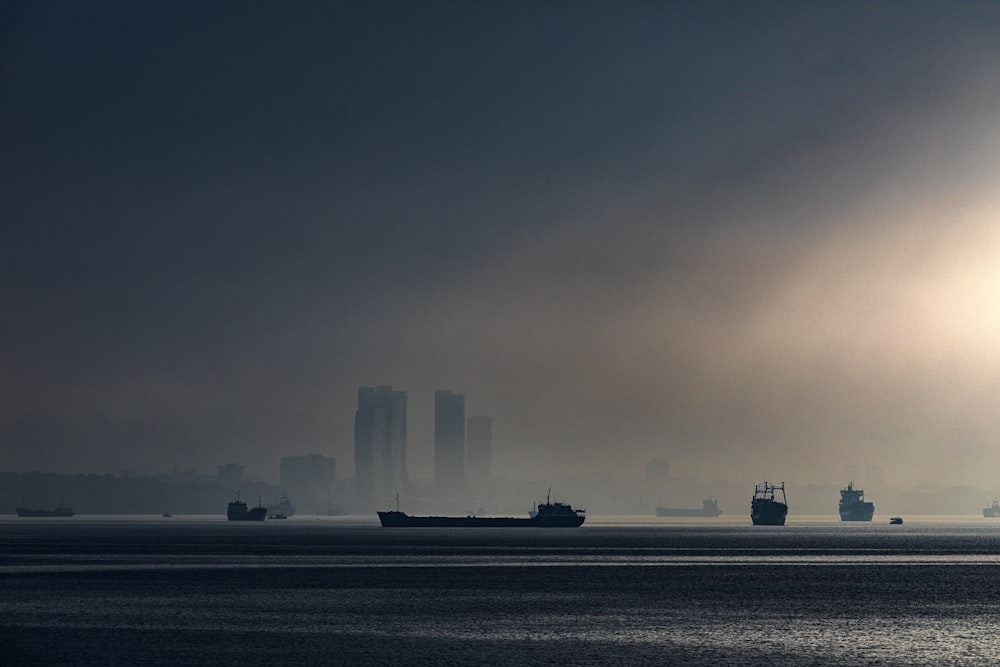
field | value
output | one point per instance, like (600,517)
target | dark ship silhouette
(548,515)
(993,511)
(238,511)
(59,511)
(853,506)
(709,507)
(765,510)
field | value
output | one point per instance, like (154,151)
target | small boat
(167,515)
(283,506)
(896,520)
(329,511)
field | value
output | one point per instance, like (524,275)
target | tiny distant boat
(993,511)
(57,512)
(238,511)
(709,507)
(279,515)
(167,515)
(853,506)
(549,515)
(896,520)
(329,511)
(765,508)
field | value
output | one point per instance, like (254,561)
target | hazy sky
(741,237)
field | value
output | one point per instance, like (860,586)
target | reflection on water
(677,593)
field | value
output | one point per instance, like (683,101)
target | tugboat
(853,506)
(549,515)
(238,511)
(709,507)
(993,511)
(765,510)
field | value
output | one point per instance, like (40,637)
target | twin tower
(463,448)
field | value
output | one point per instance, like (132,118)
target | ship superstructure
(853,506)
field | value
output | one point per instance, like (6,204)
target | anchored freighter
(765,509)
(853,506)
(709,507)
(238,511)
(548,515)
(59,511)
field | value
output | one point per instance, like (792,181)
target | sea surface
(617,591)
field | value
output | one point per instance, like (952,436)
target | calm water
(94,591)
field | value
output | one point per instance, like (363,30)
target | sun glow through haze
(717,234)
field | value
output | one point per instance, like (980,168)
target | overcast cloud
(739,237)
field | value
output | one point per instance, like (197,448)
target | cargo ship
(282,509)
(548,515)
(238,511)
(709,507)
(765,509)
(993,511)
(59,511)
(853,506)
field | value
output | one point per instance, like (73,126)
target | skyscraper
(479,449)
(449,441)
(380,443)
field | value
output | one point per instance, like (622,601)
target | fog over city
(746,239)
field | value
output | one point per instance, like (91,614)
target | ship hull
(404,520)
(859,512)
(768,513)
(676,511)
(58,512)
(990,513)
(255,514)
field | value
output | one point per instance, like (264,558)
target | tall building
(308,478)
(449,441)
(380,443)
(479,449)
